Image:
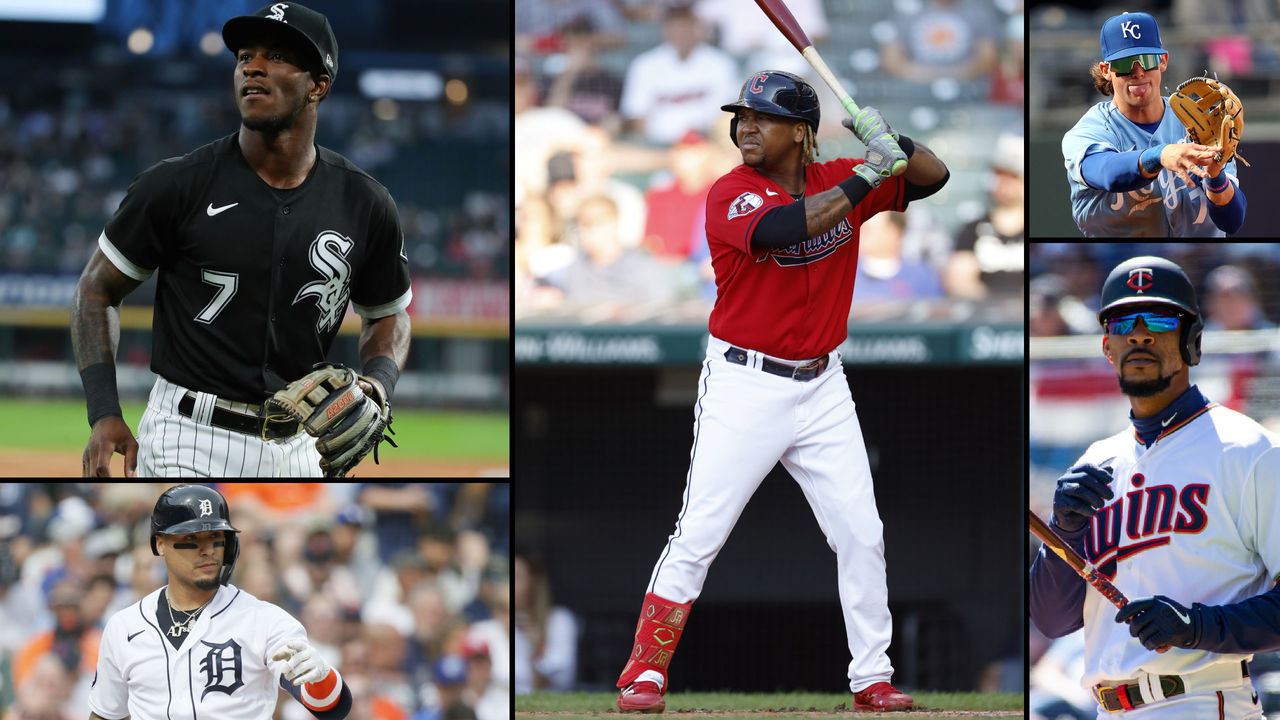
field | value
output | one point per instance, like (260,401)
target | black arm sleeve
(915,192)
(781,227)
(1249,626)
(337,712)
(1056,597)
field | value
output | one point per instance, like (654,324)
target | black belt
(1128,697)
(802,373)
(241,422)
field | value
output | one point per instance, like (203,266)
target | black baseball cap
(292,21)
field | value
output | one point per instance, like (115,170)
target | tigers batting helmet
(1154,280)
(186,509)
(777,93)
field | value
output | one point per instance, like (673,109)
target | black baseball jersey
(254,281)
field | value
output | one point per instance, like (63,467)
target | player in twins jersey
(1179,511)
(1132,172)
(783,236)
(202,649)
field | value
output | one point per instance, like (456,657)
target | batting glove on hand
(1160,622)
(1080,495)
(869,124)
(304,664)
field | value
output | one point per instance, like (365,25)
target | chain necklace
(178,629)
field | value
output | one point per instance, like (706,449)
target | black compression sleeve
(781,227)
(915,192)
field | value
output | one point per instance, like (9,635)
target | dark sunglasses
(1156,322)
(1124,65)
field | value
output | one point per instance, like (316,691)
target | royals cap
(1127,34)
(291,21)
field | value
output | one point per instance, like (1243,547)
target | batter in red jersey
(783,235)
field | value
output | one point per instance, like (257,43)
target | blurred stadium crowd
(1074,399)
(619,134)
(67,157)
(405,588)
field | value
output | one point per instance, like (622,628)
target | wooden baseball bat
(781,17)
(1083,568)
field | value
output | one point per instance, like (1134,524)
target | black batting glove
(1081,492)
(1160,622)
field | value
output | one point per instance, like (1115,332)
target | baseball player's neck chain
(178,629)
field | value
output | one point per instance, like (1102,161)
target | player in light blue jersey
(1132,171)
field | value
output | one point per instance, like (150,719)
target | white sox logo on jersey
(1145,518)
(222,668)
(329,257)
(1140,279)
(814,249)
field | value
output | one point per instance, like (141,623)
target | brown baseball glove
(1212,114)
(346,423)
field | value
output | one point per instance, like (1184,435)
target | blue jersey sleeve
(1056,596)
(1249,626)
(1229,217)
(1113,171)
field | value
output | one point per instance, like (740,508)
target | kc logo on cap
(1130,34)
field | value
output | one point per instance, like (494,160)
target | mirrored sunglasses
(1124,65)
(1156,322)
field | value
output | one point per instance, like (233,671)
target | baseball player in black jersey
(260,239)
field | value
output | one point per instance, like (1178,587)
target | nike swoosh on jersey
(131,637)
(1165,423)
(214,211)
(767,191)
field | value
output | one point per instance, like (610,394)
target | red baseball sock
(657,634)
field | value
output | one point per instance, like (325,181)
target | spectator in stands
(606,271)
(44,693)
(883,274)
(70,640)
(1044,318)
(676,204)
(679,85)
(486,697)
(582,85)
(539,24)
(758,45)
(1231,301)
(988,256)
(587,170)
(449,676)
(944,39)
(539,255)
(546,635)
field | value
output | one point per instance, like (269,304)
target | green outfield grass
(62,425)
(569,706)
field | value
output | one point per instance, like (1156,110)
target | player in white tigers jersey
(200,648)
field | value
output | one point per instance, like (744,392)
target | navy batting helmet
(777,93)
(186,509)
(1155,280)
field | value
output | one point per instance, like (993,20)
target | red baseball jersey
(792,302)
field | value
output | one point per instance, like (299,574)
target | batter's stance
(1132,172)
(1179,510)
(200,647)
(783,235)
(260,239)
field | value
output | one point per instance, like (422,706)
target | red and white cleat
(882,696)
(644,697)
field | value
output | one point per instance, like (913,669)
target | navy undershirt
(1188,403)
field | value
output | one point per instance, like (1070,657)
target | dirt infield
(59,463)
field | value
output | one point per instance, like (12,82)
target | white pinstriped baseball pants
(171,444)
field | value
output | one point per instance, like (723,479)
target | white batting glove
(303,663)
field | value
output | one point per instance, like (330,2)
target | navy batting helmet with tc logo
(186,509)
(1154,280)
